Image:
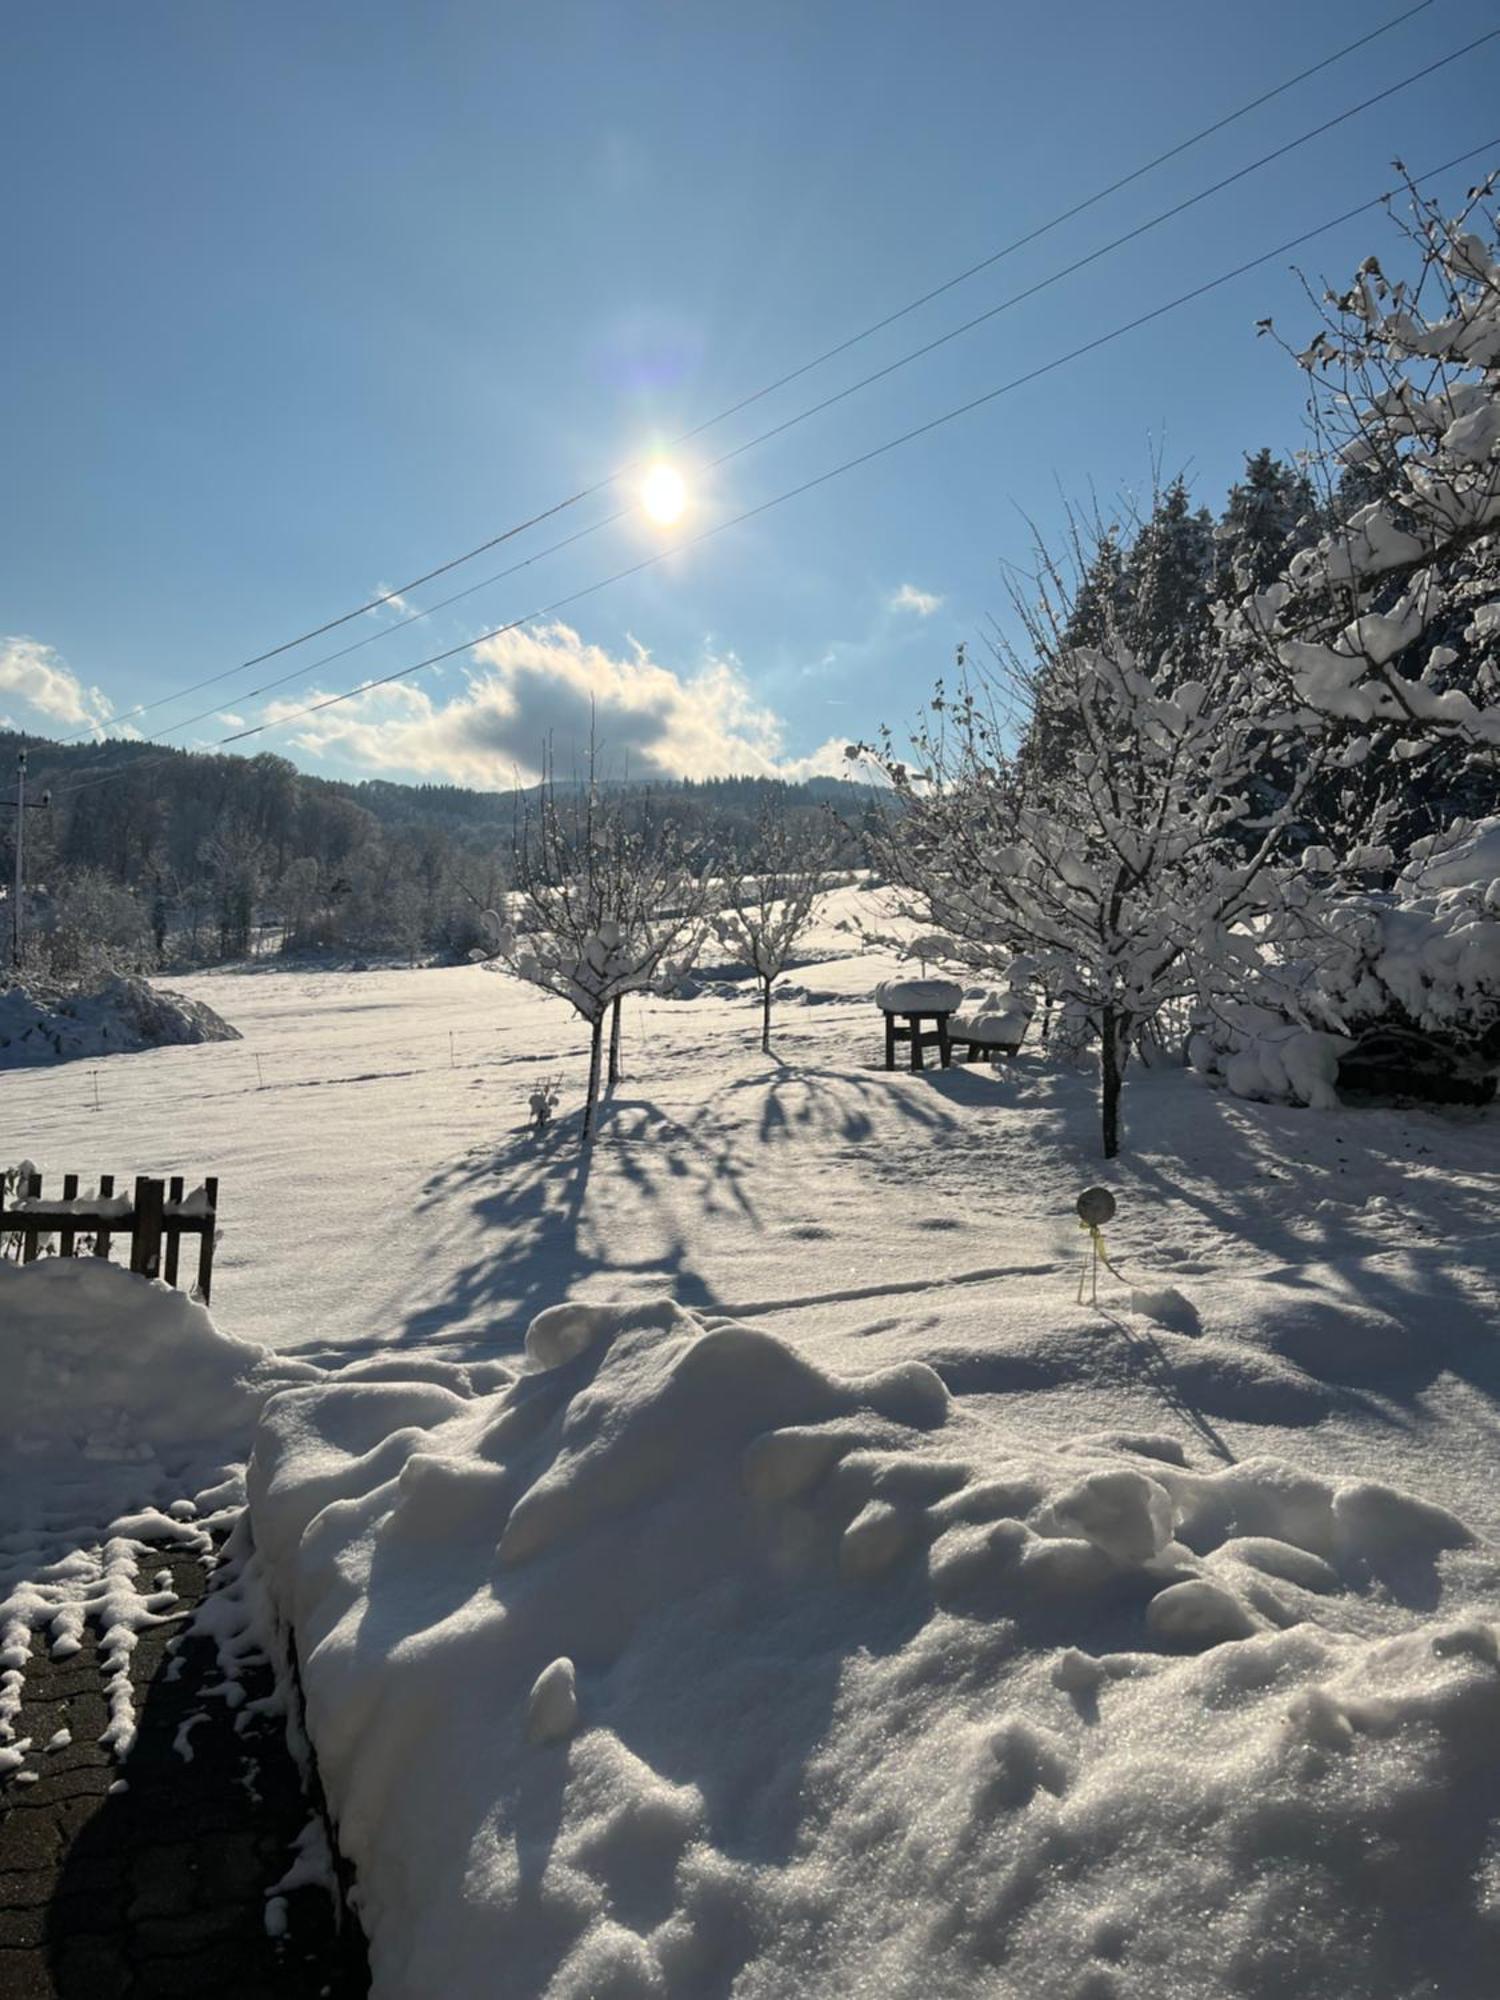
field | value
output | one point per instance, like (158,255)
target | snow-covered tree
(1130,885)
(1149,592)
(1385,634)
(1270,516)
(601,907)
(1163,608)
(765,906)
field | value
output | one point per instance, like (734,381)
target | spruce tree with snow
(767,904)
(1150,593)
(603,906)
(1270,516)
(1045,754)
(1163,608)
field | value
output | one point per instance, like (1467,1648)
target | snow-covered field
(1042,1649)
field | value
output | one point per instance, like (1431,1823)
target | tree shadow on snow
(1156,1365)
(847,1107)
(539,1204)
(527,1203)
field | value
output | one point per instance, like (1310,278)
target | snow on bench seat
(998,1024)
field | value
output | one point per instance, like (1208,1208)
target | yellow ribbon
(1101,1256)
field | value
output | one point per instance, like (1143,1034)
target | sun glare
(663,495)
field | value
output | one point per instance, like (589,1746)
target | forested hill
(178,856)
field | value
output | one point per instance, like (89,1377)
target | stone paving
(159,1890)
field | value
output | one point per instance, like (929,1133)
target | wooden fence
(155,1220)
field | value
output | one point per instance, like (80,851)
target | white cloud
(230,720)
(392,601)
(543,692)
(45,682)
(909,598)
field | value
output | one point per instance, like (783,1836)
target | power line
(845,466)
(841,395)
(769,388)
(1043,229)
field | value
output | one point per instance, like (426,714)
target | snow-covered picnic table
(996,1027)
(910,1002)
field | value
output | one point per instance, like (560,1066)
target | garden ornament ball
(1096,1206)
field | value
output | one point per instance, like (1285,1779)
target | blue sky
(302,300)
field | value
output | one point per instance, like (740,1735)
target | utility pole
(23,805)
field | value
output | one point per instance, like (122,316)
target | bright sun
(663,495)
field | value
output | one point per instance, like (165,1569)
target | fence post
(206,1240)
(66,1234)
(145,1242)
(102,1236)
(174,1236)
(30,1241)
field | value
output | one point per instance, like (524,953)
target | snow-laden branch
(1393,616)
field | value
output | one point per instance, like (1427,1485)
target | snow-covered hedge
(125,1013)
(1400,988)
(1431,949)
(683,1666)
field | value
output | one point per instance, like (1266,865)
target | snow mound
(702,1669)
(124,1014)
(93,1356)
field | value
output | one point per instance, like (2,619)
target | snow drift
(91,1354)
(682,1666)
(124,1014)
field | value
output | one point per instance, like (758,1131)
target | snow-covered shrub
(1398,990)
(1260,1054)
(39,1024)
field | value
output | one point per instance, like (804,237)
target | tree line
(178,858)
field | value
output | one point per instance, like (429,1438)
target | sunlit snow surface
(1104,1660)
(687,1667)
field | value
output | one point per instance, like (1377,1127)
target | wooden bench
(984,1051)
(1000,1032)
